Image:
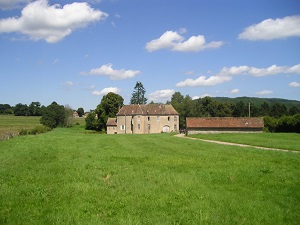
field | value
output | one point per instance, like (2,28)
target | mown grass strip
(289,141)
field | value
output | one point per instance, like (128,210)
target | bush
(287,124)
(36,130)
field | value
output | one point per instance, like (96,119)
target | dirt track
(235,144)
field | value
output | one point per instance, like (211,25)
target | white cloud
(264,92)
(174,41)
(270,29)
(294,84)
(68,85)
(105,91)
(203,81)
(161,95)
(11,4)
(201,96)
(107,70)
(234,91)
(226,74)
(39,20)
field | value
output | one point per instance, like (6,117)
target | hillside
(258,101)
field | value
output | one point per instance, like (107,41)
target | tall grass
(69,177)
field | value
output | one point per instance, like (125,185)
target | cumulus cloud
(39,20)
(264,92)
(107,70)
(227,73)
(172,40)
(161,95)
(204,81)
(270,29)
(294,84)
(105,91)
(234,91)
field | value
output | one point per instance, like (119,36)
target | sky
(75,52)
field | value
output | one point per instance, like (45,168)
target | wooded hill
(259,101)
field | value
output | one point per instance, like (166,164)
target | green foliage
(5,109)
(138,95)
(91,122)
(54,115)
(35,109)
(109,107)
(21,110)
(80,112)
(67,177)
(36,130)
(283,124)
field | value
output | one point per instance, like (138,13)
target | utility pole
(249,110)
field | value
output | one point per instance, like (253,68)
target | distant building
(144,119)
(196,125)
(75,114)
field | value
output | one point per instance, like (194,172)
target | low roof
(111,122)
(151,109)
(224,122)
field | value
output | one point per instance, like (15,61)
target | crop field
(68,176)
(11,125)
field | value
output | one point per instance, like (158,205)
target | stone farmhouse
(196,125)
(144,119)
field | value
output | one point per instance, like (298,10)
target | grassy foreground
(69,177)
(289,141)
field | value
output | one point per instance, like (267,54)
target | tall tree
(80,112)
(138,95)
(54,115)
(108,107)
(35,109)
(21,110)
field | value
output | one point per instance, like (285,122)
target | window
(139,126)
(139,118)
(148,118)
(168,118)
(175,127)
(175,118)
(122,127)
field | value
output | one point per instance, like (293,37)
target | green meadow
(288,141)
(69,176)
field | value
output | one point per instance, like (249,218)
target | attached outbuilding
(195,125)
(111,126)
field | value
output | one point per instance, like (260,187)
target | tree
(109,107)
(138,95)
(91,122)
(54,115)
(5,109)
(278,110)
(80,112)
(35,109)
(21,110)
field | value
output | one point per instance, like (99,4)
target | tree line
(209,107)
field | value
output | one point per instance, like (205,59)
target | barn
(196,125)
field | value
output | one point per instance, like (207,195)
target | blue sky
(74,52)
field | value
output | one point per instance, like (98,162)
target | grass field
(289,141)
(11,125)
(67,176)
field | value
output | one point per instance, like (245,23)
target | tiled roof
(111,122)
(224,122)
(151,109)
